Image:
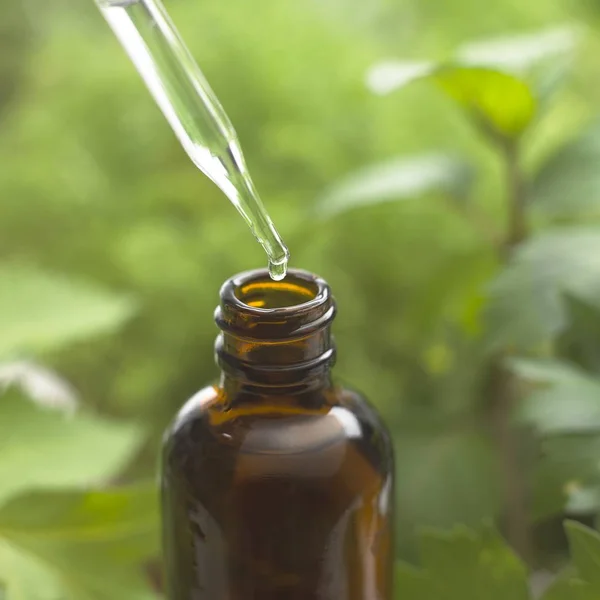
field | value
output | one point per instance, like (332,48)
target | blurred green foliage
(456,220)
(471,566)
(60,537)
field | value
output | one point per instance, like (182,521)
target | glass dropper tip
(278,268)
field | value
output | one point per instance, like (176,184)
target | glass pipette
(195,114)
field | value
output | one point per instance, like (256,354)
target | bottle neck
(275,336)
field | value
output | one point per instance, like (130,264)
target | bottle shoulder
(324,423)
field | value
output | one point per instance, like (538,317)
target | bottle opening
(268,294)
(254,306)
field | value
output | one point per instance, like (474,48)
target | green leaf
(499,102)
(527,306)
(520,53)
(39,384)
(78,545)
(543,58)
(568,408)
(570,589)
(465,565)
(585,552)
(568,183)
(40,312)
(398,179)
(41,447)
(580,340)
(569,402)
(477,565)
(544,370)
(444,478)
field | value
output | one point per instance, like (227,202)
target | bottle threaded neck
(275,331)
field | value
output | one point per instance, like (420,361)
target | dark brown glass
(277,484)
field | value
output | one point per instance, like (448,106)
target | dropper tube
(195,114)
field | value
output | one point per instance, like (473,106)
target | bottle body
(278,492)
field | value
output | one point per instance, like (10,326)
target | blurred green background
(466,270)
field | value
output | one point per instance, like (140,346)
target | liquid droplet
(278,270)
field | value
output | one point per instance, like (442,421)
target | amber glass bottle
(277,485)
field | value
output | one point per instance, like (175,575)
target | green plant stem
(517,218)
(478,219)
(503,395)
(503,386)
